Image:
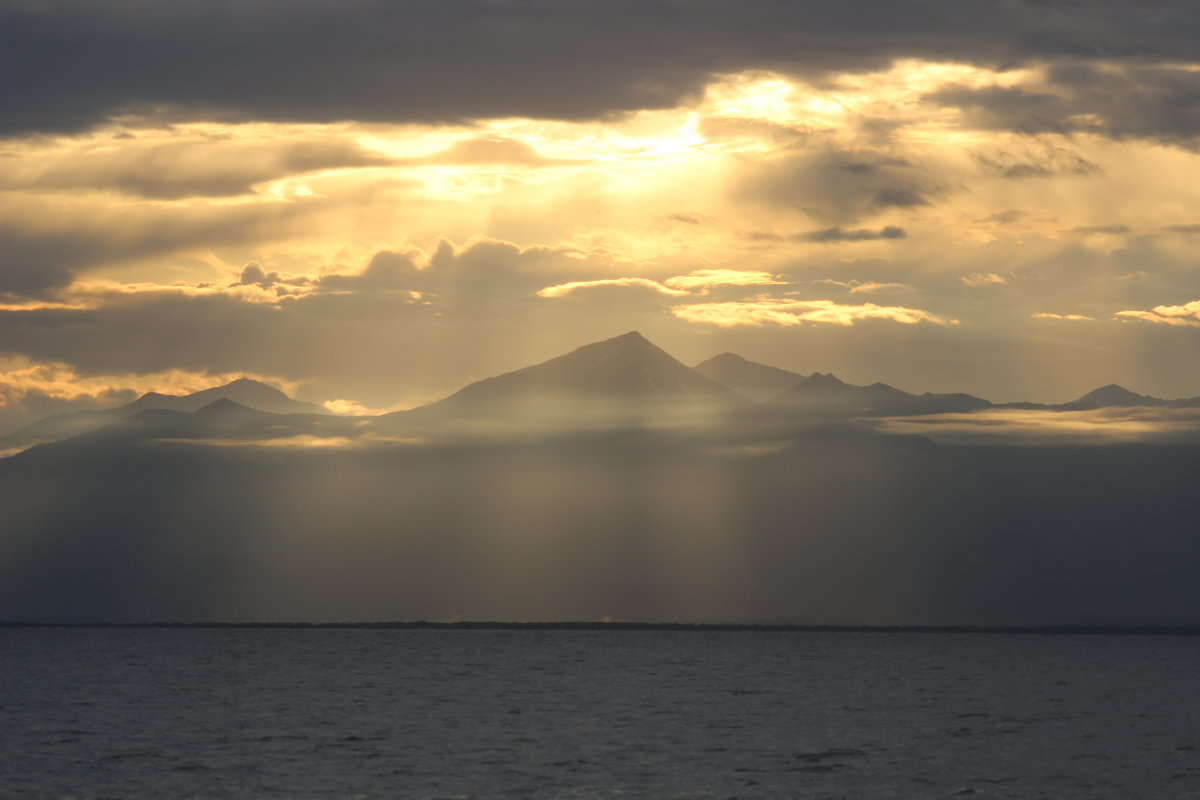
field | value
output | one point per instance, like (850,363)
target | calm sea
(164,713)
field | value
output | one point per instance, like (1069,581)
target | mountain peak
(728,358)
(1116,395)
(626,377)
(220,405)
(756,381)
(819,380)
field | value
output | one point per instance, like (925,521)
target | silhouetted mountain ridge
(758,382)
(243,391)
(823,395)
(622,380)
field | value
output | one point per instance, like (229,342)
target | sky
(370,204)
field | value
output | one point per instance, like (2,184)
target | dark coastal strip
(1094,630)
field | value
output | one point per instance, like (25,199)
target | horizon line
(699,627)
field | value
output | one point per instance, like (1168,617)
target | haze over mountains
(619,382)
(245,392)
(614,482)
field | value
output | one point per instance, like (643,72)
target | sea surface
(246,713)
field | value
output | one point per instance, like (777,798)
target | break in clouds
(373,203)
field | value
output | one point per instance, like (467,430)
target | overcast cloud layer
(372,203)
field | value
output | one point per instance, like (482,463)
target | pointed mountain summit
(623,380)
(758,382)
(1113,396)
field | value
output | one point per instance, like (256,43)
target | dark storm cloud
(1160,103)
(67,65)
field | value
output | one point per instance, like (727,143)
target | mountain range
(793,509)
(244,391)
(622,382)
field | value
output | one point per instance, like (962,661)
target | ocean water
(157,713)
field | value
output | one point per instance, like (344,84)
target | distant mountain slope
(220,419)
(244,391)
(625,379)
(1110,396)
(823,395)
(755,381)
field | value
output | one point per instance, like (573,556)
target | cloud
(1066,317)
(253,275)
(1186,315)
(494,150)
(727,127)
(387,270)
(978,279)
(1159,102)
(855,286)
(776,311)
(1045,427)
(645,283)
(903,197)
(704,278)
(1046,161)
(1110,229)
(71,66)
(196,167)
(1006,108)
(836,234)
(688,219)
(47,243)
(678,286)
(841,186)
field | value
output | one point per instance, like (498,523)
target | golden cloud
(858,287)
(678,286)
(1069,317)
(20,377)
(704,278)
(1186,315)
(1045,426)
(978,279)
(771,311)
(566,288)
